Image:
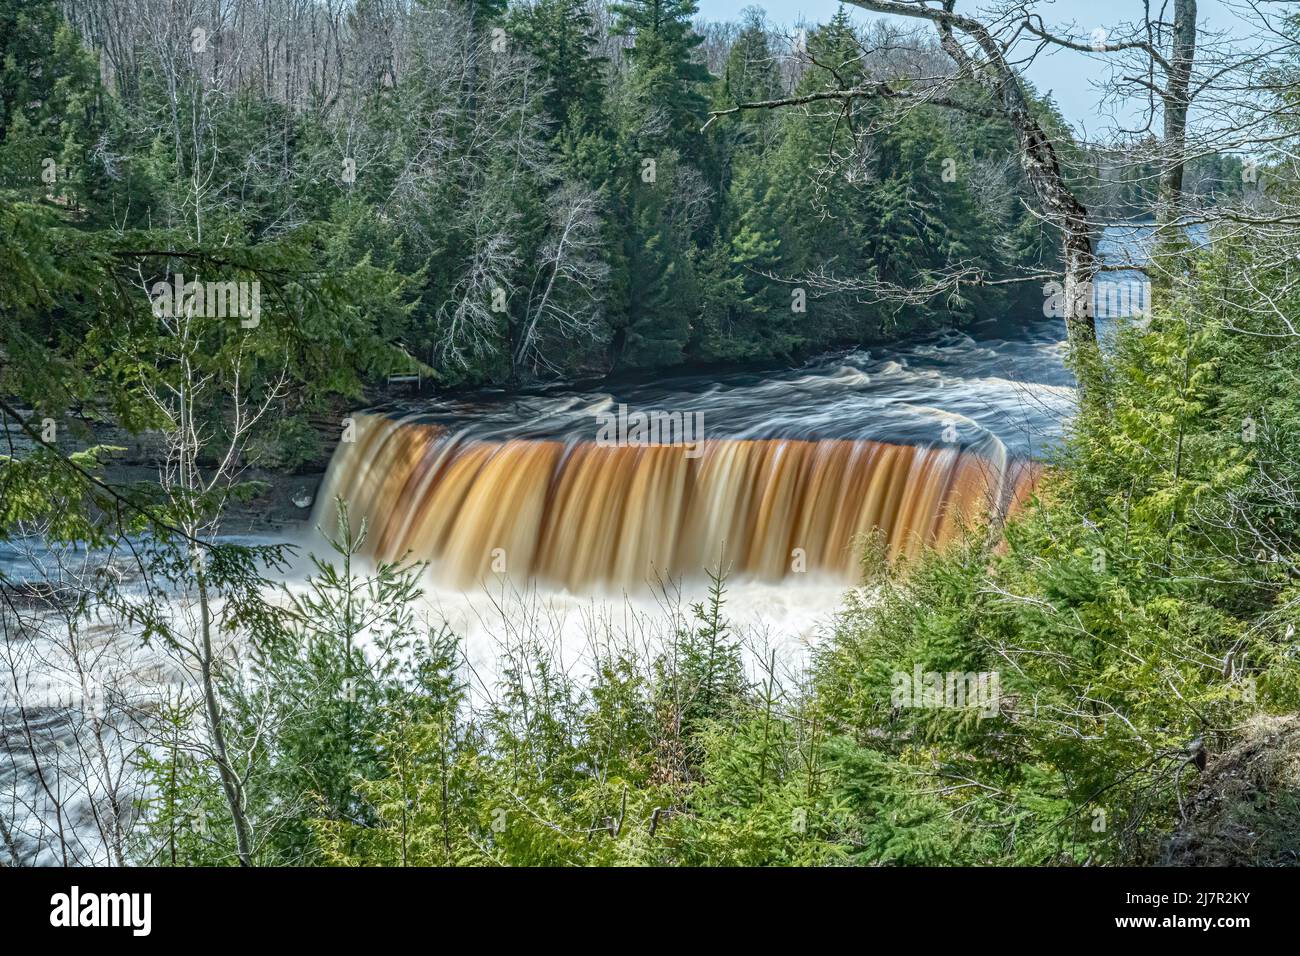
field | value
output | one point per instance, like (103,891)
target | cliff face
(1247,810)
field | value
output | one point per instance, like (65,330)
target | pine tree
(661,292)
(52,111)
(665,77)
(751,75)
(746,309)
(561,35)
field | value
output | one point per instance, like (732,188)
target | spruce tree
(666,76)
(561,36)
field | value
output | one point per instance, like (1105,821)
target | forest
(227,225)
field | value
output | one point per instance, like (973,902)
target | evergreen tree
(53,115)
(561,35)
(660,155)
(747,310)
(666,76)
(751,75)
(661,291)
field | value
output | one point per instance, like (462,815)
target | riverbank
(283,499)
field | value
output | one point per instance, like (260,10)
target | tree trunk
(1043,169)
(1080,271)
(1176,100)
(230,783)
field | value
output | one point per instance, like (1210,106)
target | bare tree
(204,458)
(564,301)
(74,704)
(1162,69)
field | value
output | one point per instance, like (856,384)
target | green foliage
(327,692)
(707,681)
(666,76)
(1131,613)
(182,819)
(561,35)
(52,112)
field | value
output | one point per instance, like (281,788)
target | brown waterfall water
(786,476)
(580,515)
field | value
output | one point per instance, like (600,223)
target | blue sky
(1069,75)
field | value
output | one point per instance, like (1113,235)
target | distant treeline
(537,176)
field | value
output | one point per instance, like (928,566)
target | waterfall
(578,514)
